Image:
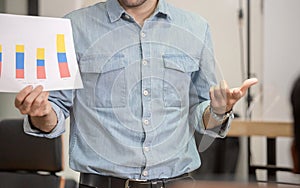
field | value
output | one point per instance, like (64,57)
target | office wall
(281,56)
(2,5)
(16,7)
(90,2)
(281,67)
(58,8)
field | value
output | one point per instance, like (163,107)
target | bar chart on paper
(40,63)
(20,61)
(42,53)
(62,56)
(63,66)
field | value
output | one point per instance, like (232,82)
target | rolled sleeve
(219,131)
(57,131)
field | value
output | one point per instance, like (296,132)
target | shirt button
(145,62)
(146,149)
(145,92)
(127,17)
(143,34)
(146,122)
(145,173)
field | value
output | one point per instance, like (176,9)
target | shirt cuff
(57,131)
(222,130)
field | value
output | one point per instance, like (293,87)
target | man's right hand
(34,102)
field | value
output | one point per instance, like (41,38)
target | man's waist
(95,180)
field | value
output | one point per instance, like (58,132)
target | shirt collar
(115,10)
(163,9)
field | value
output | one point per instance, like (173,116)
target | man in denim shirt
(149,83)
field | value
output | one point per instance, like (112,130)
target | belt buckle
(129,180)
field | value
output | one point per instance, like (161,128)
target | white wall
(281,67)
(90,2)
(282,57)
(58,8)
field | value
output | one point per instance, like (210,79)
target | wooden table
(261,128)
(268,129)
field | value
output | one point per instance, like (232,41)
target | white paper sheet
(37,51)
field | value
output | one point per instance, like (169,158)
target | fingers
(22,95)
(220,91)
(31,101)
(238,93)
(223,98)
(219,95)
(40,106)
(248,83)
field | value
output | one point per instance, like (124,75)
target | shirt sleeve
(61,102)
(218,131)
(202,80)
(57,131)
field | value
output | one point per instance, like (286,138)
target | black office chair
(29,162)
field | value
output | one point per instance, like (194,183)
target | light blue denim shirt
(145,90)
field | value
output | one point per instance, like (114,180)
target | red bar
(19,73)
(0,68)
(64,70)
(41,72)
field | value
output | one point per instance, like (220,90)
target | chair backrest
(19,151)
(28,161)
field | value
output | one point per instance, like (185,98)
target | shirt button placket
(145,173)
(146,149)
(146,122)
(146,93)
(146,98)
(145,62)
(143,35)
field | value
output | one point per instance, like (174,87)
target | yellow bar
(40,53)
(60,43)
(20,48)
(0,48)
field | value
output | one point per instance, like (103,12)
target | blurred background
(257,38)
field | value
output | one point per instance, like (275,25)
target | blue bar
(40,62)
(0,57)
(62,57)
(19,60)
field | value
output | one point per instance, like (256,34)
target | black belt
(99,181)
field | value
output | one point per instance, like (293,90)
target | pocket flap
(181,63)
(100,63)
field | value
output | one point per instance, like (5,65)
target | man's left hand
(223,98)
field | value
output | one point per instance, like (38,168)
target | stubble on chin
(132,3)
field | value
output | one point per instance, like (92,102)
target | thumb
(248,83)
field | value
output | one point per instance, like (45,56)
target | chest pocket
(177,79)
(104,81)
